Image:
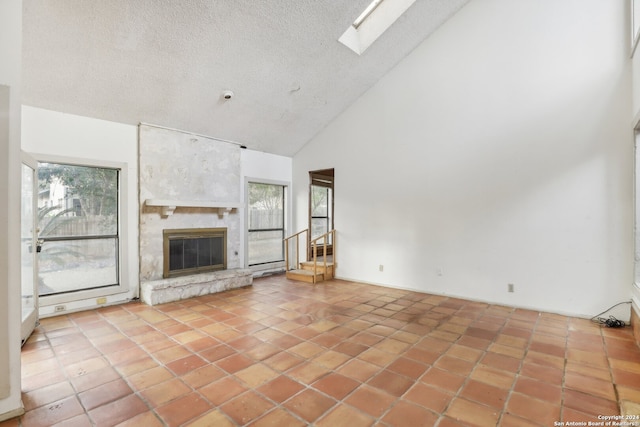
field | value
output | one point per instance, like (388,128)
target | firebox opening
(194,250)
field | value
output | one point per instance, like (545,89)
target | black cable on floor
(611,322)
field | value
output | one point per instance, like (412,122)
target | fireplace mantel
(169,205)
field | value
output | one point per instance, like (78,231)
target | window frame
(328,214)
(122,258)
(286,188)
(322,178)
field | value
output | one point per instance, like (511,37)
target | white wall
(635,289)
(498,152)
(636,83)
(636,124)
(55,133)
(267,168)
(10,305)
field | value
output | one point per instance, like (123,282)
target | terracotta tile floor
(283,353)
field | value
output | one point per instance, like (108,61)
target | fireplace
(188,181)
(189,251)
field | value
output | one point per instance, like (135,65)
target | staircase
(316,268)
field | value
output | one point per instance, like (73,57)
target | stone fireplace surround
(187,181)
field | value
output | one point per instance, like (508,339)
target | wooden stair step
(319,264)
(305,276)
(319,267)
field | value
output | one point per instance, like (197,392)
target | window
(372,23)
(365,14)
(320,210)
(321,187)
(266,220)
(78,222)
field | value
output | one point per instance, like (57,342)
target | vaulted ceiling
(168,62)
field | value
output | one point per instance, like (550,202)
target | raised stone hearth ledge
(178,288)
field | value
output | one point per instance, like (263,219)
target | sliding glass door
(78,222)
(266,223)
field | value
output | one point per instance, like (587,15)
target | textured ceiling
(167,62)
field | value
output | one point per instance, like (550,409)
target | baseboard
(12,414)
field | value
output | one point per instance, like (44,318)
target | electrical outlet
(101,300)
(439,271)
(510,287)
(59,308)
(381,267)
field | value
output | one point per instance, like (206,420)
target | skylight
(372,23)
(360,19)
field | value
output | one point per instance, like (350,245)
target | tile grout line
(247,306)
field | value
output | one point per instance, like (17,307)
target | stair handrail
(297,252)
(314,249)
